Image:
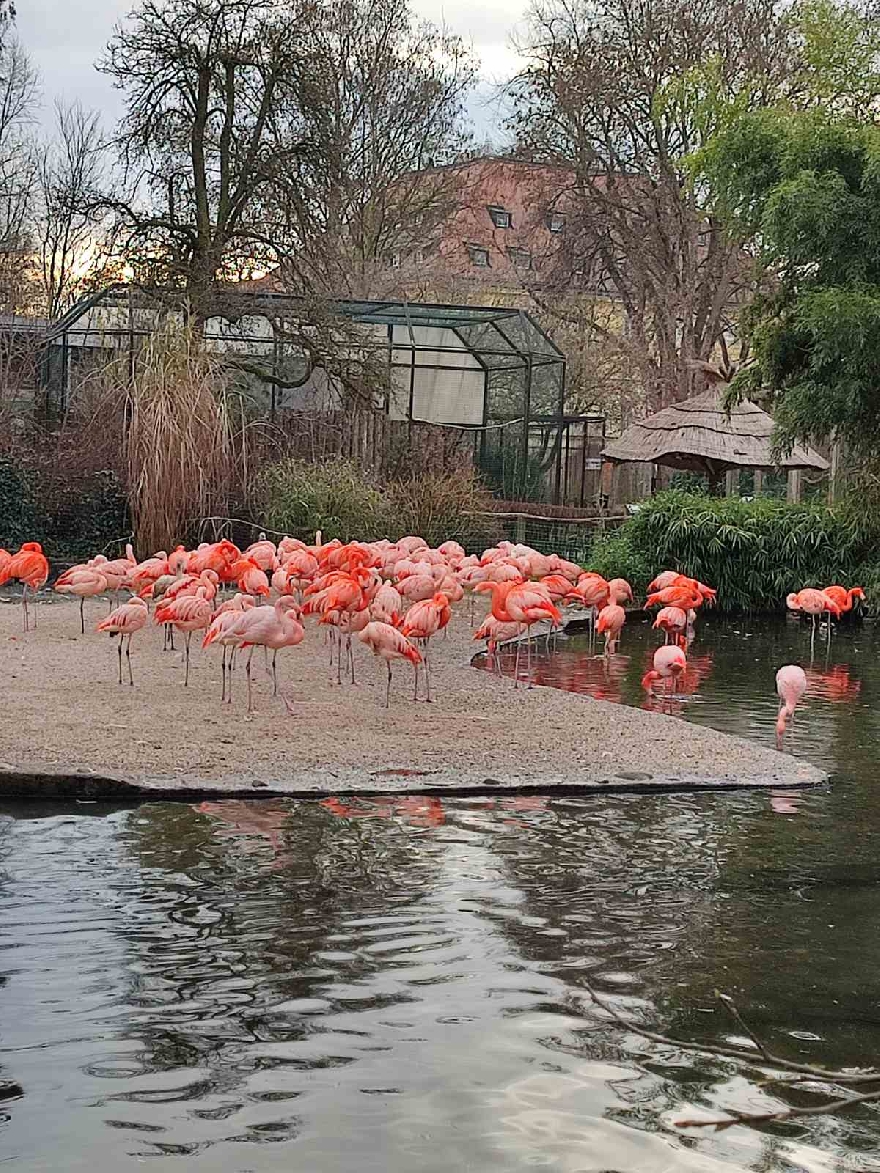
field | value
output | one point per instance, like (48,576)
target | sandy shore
(70,729)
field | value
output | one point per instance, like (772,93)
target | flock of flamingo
(393,596)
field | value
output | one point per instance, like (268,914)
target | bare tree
(18,95)
(69,232)
(201,142)
(379,107)
(259,132)
(624,91)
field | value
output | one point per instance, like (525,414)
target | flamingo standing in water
(521,602)
(611,620)
(844,598)
(673,622)
(30,567)
(124,622)
(494,632)
(389,644)
(791,684)
(670,664)
(814,603)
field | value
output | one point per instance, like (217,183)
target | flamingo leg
(427,673)
(82,618)
(388,685)
(529,654)
(350,656)
(128,659)
(223,674)
(170,637)
(516,664)
(229,675)
(186,655)
(119,655)
(24,604)
(247,672)
(274,673)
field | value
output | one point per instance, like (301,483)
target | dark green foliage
(18,515)
(753,552)
(618,555)
(807,185)
(73,517)
(86,518)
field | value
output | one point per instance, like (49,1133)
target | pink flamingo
(673,622)
(387,605)
(389,644)
(670,663)
(30,567)
(221,630)
(84,583)
(494,632)
(124,622)
(273,627)
(611,620)
(814,603)
(518,602)
(188,613)
(422,621)
(791,684)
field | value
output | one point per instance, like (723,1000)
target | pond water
(401,984)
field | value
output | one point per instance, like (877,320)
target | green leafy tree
(807,183)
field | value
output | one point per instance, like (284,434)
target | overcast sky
(64,38)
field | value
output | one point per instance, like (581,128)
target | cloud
(65,38)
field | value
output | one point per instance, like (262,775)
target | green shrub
(441,507)
(615,555)
(337,498)
(341,501)
(753,552)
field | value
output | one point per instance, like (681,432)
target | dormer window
(500,217)
(555,221)
(479,256)
(520,257)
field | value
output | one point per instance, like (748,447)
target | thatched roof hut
(699,435)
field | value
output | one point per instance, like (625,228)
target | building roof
(700,435)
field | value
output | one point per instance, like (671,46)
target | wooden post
(731,482)
(794,485)
(834,474)
(759,481)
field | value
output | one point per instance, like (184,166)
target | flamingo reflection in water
(253,826)
(833,684)
(424,811)
(418,810)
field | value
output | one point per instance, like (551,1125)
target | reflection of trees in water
(243,920)
(664,900)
